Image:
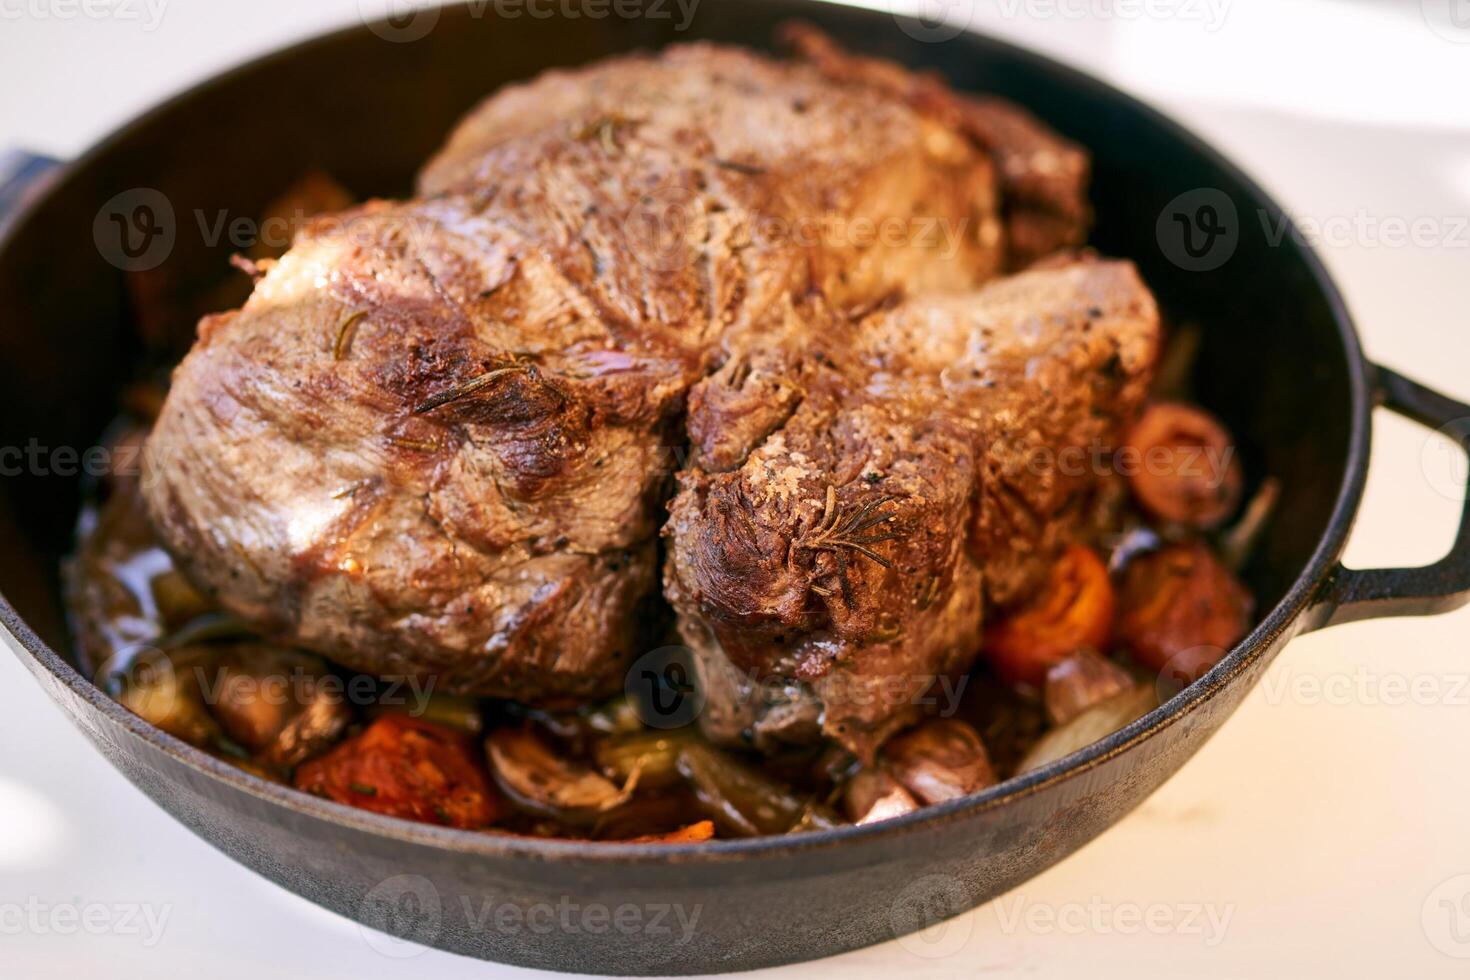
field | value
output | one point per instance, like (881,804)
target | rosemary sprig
(344,334)
(840,531)
(417,445)
(748,169)
(847,530)
(466,388)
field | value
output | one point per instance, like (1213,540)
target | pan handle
(19,172)
(1350,594)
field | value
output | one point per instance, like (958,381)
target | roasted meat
(437,439)
(1043,176)
(933,452)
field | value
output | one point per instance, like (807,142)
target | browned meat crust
(436,439)
(1043,176)
(948,441)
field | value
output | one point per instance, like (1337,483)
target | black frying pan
(1280,363)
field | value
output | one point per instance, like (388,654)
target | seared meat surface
(947,446)
(1043,176)
(437,439)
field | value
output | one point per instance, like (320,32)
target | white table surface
(1323,833)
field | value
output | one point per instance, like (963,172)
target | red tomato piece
(409,768)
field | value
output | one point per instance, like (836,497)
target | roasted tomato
(1072,611)
(1181,609)
(1184,467)
(408,768)
(695,833)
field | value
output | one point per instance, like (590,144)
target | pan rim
(1276,627)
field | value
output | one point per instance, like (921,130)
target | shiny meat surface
(438,437)
(947,446)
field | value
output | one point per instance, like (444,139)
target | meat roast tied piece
(828,562)
(438,438)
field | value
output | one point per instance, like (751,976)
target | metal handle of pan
(1353,594)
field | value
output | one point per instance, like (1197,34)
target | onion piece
(1238,542)
(742,801)
(695,833)
(1099,721)
(536,778)
(872,795)
(1079,682)
(650,755)
(940,760)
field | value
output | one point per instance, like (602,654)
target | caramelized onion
(872,795)
(538,779)
(1098,721)
(939,760)
(1079,682)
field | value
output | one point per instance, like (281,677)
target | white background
(1325,826)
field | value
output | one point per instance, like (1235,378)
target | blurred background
(1322,834)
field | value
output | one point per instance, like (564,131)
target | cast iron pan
(1281,364)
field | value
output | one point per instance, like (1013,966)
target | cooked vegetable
(1079,682)
(453,710)
(1072,611)
(177,601)
(1237,544)
(618,716)
(544,781)
(405,767)
(270,701)
(1183,467)
(1181,609)
(939,760)
(202,629)
(653,756)
(872,795)
(692,834)
(162,690)
(317,725)
(742,801)
(1098,721)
